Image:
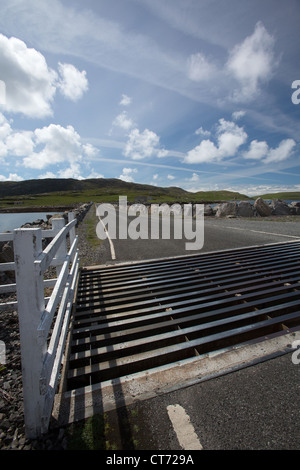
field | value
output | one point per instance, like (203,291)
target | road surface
(253,408)
(218,234)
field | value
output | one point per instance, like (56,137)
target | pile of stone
(260,208)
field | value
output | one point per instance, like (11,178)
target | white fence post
(31,305)
(57,224)
(71,216)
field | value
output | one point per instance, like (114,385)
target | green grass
(293,196)
(91,434)
(67,198)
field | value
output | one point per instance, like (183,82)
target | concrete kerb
(85,402)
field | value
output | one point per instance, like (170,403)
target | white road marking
(112,248)
(183,427)
(257,231)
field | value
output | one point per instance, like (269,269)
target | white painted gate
(43,322)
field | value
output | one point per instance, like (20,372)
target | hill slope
(68,191)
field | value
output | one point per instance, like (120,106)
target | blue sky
(189,93)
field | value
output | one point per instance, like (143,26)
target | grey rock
(227,209)
(262,208)
(279,207)
(245,209)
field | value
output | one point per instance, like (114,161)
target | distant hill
(49,185)
(293,196)
(46,192)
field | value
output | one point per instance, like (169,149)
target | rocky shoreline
(260,208)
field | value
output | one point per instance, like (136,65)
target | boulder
(245,209)
(6,252)
(227,209)
(279,207)
(208,210)
(295,208)
(262,208)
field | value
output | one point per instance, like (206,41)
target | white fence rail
(43,321)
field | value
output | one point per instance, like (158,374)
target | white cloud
(94,174)
(73,83)
(43,147)
(171,177)
(252,62)
(74,171)
(123,121)
(48,174)
(142,145)
(55,144)
(194,178)
(89,150)
(58,143)
(127,174)
(20,143)
(30,83)
(126,100)
(257,150)
(261,151)
(229,138)
(201,131)
(282,152)
(199,68)
(237,115)
(11,177)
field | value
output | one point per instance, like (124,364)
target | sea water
(9,222)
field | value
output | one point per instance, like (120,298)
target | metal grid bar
(133,317)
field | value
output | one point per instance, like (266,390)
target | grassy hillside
(58,192)
(293,196)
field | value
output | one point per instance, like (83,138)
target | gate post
(31,305)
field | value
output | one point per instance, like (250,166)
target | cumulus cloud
(257,150)
(123,121)
(11,177)
(30,84)
(199,68)
(236,115)
(252,62)
(58,144)
(144,144)
(125,100)
(44,147)
(201,131)
(261,151)
(73,83)
(229,138)
(73,171)
(127,174)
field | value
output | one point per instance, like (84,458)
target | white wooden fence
(43,321)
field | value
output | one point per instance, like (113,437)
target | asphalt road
(218,234)
(255,408)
